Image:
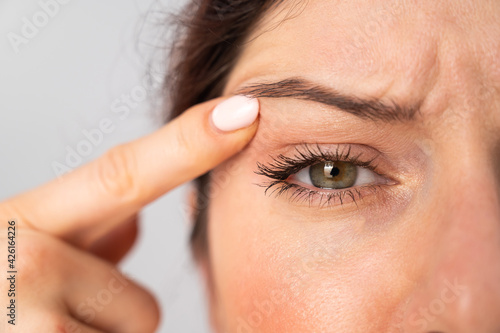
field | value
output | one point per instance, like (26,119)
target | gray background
(65,80)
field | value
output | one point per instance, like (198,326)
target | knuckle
(147,313)
(116,171)
(183,137)
(42,260)
(56,322)
(12,210)
(152,312)
(36,259)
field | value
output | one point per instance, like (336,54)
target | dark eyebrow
(364,108)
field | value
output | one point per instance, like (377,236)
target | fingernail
(235,113)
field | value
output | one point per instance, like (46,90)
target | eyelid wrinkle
(282,167)
(366,109)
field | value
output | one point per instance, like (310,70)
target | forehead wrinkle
(271,51)
(407,60)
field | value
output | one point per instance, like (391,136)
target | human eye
(326,177)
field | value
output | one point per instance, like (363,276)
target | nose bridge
(472,197)
(460,289)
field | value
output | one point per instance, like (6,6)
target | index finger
(129,176)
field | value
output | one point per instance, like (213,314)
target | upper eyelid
(306,155)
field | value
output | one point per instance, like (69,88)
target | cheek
(276,271)
(248,262)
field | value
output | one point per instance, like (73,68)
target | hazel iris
(333,175)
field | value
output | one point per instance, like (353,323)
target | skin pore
(416,251)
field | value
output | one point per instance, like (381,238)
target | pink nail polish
(235,113)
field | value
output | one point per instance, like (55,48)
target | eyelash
(282,167)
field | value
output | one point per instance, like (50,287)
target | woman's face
(379,138)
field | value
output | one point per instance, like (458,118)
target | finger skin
(114,187)
(71,325)
(47,322)
(58,278)
(114,245)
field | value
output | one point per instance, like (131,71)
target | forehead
(402,49)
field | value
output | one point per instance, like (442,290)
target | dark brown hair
(209,38)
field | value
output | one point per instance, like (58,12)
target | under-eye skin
(326,177)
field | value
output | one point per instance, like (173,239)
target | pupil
(335,172)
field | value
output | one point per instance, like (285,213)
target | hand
(66,280)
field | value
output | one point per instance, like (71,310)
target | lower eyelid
(367,184)
(320,198)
